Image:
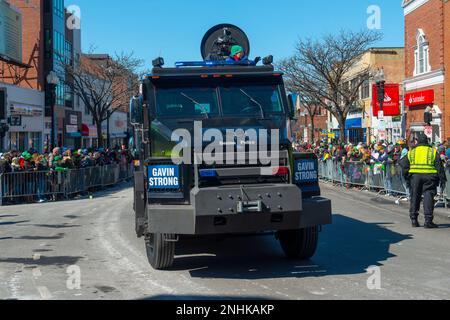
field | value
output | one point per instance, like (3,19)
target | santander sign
(419,98)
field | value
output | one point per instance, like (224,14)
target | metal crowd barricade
(355,174)
(110,175)
(395,184)
(17,185)
(29,186)
(376,177)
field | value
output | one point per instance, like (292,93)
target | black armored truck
(215,152)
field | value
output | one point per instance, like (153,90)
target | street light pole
(108,141)
(52,81)
(381,82)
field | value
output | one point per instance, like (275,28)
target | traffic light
(4,128)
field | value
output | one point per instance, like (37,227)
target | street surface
(43,246)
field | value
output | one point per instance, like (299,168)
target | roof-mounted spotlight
(268,60)
(158,62)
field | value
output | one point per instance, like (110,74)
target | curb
(438,212)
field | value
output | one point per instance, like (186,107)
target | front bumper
(219,211)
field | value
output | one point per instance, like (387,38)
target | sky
(174,29)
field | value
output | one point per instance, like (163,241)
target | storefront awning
(89,131)
(353,123)
(84,130)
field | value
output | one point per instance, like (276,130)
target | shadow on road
(55,237)
(43,261)
(10,223)
(347,247)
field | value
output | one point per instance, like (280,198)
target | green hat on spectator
(26,155)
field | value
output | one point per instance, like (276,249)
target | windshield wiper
(197,103)
(255,102)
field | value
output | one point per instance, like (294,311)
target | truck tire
(160,252)
(299,244)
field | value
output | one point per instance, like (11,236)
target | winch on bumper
(241,209)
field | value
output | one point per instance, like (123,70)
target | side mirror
(136,116)
(291,105)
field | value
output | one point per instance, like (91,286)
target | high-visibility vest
(423,160)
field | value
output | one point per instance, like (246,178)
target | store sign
(15,121)
(73,119)
(419,98)
(10,32)
(120,123)
(391,104)
(26,111)
(71,129)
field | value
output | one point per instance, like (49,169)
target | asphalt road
(43,247)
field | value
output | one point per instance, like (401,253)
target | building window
(34,140)
(58,8)
(365,90)
(422,54)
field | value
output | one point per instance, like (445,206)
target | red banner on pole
(391,105)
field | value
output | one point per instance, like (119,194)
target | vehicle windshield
(236,101)
(187,102)
(249,100)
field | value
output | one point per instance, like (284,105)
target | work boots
(430,225)
(415,223)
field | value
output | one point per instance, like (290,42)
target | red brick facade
(431,19)
(32,42)
(302,128)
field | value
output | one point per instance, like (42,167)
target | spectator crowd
(62,160)
(31,176)
(375,153)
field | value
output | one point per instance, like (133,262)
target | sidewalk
(441,213)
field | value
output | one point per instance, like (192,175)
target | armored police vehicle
(213,138)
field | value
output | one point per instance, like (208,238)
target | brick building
(361,124)
(21,74)
(303,127)
(427,45)
(47,44)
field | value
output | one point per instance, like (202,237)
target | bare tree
(312,108)
(105,84)
(322,71)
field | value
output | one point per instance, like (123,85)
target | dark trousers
(423,185)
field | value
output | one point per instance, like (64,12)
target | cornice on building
(425,80)
(411,5)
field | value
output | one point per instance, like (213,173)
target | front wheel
(299,244)
(160,250)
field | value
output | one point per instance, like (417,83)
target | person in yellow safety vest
(423,171)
